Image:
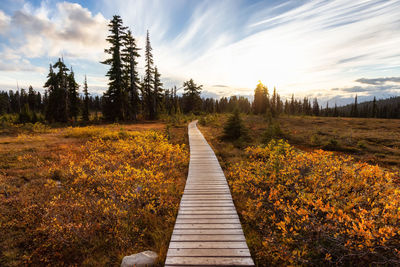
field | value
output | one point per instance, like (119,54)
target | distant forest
(129,98)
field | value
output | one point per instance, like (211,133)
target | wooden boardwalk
(207,230)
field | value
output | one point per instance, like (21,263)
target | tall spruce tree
(191,96)
(261,101)
(354,108)
(114,97)
(32,99)
(56,84)
(148,97)
(130,74)
(73,96)
(315,108)
(158,92)
(85,113)
(374,109)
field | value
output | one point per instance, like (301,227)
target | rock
(142,259)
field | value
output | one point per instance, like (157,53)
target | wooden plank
(226,238)
(207,208)
(207,232)
(224,196)
(201,252)
(206,216)
(201,204)
(207,220)
(213,261)
(207,226)
(196,244)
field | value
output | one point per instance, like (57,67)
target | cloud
(4,22)
(379,81)
(299,46)
(369,90)
(70,30)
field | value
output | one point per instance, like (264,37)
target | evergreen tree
(25,115)
(234,128)
(148,97)
(335,111)
(85,113)
(56,84)
(191,96)
(113,108)
(73,96)
(292,108)
(354,109)
(266,107)
(158,92)
(261,101)
(32,99)
(315,107)
(327,109)
(130,74)
(374,110)
(274,103)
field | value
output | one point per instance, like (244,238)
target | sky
(332,49)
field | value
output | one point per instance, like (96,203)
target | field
(375,141)
(91,195)
(312,207)
(88,195)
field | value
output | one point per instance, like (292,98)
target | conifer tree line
(32,106)
(61,101)
(265,103)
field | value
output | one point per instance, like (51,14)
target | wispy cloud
(305,47)
(379,81)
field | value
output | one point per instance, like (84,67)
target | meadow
(89,195)
(375,141)
(300,205)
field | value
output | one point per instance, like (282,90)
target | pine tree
(130,74)
(32,99)
(374,109)
(73,96)
(327,109)
(335,111)
(191,96)
(56,84)
(292,109)
(114,97)
(274,103)
(85,113)
(158,92)
(354,108)
(234,128)
(148,97)
(261,101)
(315,107)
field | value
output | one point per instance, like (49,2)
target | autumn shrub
(115,196)
(315,208)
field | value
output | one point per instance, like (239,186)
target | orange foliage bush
(316,208)
(113,198)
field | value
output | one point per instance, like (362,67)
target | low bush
(109,198)
(315,208)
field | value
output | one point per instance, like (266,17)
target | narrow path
(207,230)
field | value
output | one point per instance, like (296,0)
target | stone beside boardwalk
(207,230)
